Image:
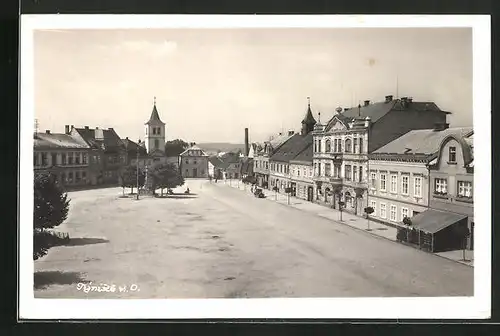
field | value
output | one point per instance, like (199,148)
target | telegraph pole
(138,143)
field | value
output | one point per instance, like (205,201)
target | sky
(210,84)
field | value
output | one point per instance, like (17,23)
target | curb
(368,232)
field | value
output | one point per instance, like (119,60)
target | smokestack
(247,147)
(66,129)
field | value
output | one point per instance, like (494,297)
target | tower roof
(309,119)
(155,117)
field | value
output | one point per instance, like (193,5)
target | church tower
(308,122)
(155,132)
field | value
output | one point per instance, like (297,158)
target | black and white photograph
(255,166)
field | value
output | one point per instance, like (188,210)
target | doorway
(195,172)
(310,193)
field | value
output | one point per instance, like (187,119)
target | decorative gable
(336,125)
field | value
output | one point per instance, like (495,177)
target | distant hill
(214,147)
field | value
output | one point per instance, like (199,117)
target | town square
(319,170)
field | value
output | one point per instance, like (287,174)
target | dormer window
(452,155)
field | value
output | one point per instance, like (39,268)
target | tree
(407,222)
(358,194)
(369,211)
(165,176)
(128,178)
(51,207)
(175,147)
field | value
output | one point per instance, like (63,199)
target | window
(383,213)
(404,213)
(417,186)
(464,189)
(84,158)
(77,176)
(70,177)
(187,161)
(360,145)
(315,146)
(373,204)
(44,159)
(70,158)
(195,163)
(158,131)
(452,155)
(304,172)
(393,213)
(347,145)
(320,172)
(77,158)
(336,170)
(63,159)
(348,173)
(84,175)
(440,186)
(35,159)
(328,146)
(360,174)
(298,172)
(355,145)
(319,146)
(54,159)
(335,145)
(383,181)
(394,183)
(354,173)
(328,169)
(373,179)
(404,184)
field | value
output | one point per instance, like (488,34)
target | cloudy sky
(210,84)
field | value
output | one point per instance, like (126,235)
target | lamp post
(139,143)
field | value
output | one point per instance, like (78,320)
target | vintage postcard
(255,167)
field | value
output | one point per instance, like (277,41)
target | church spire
(155,117)
(308,122)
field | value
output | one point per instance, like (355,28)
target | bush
(166,176)
(50,209)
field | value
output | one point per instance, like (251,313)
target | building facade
(452,179)
(261,158)
(64,156)
(399,173)
(107,156)
(301,174)
(341,147)
(193,163)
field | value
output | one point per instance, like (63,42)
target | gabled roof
(424,141)
(155,117)
(131,146)
(379,109)
(292,147)
(57,140)
(306,156)
(193,148)
(106,137)
(216,161)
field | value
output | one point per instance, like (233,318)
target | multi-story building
(301,174)
(279,162)
(193,163)
(134,149)
(231,165)
(108,154)
(215,167)
(341,147)
(399,173)
(64,156)
(452,181)
(261,158)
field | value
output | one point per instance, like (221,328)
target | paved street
(225,243)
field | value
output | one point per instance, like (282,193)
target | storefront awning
(432,221)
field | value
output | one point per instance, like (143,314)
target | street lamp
(138,147)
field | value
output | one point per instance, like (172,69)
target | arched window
(319,146)
(347,145)
(328,146)
(315,146)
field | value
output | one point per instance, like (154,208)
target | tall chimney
(247,147)
(66,129)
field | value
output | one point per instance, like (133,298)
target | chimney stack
(86,127)
(66,129)
(72,126)
(367,102)
(291,132)
(110,128)
(247,147)
(47,131)
(388,98)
